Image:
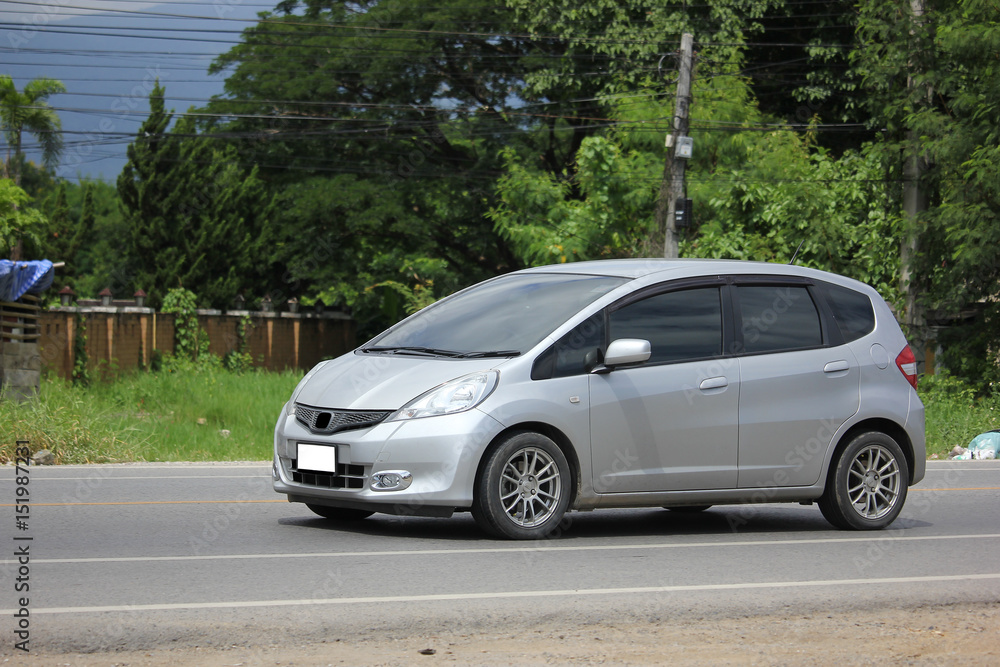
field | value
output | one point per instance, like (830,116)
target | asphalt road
(143,557)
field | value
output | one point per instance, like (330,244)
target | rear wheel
(867,484)
(339,513)
(524,488)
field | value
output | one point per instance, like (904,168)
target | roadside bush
(956,413)
(66,421)
(190,341)
(187,412)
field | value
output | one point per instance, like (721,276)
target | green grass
(155,416)
(152,417)
(955,414)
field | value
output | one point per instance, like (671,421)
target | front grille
(346,477)
(323,420)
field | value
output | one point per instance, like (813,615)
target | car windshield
(502,317)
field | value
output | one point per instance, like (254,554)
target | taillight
(907,365)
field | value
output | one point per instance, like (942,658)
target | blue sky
(109,54)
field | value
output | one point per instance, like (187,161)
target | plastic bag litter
(983,446)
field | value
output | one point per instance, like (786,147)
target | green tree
(758,196)
(345,235)
(92,244)
(934,87)
(67,232)
(17,221)
(608,217)
(196,217)
(378,107)
(801,71)
(27,110)
(425,108)
(608,47)
(84,229)
(416,150)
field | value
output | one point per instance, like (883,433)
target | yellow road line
(964,488)
(151,502)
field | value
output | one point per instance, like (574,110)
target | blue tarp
(20,278)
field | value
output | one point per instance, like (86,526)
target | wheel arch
(887,426)
(553,434)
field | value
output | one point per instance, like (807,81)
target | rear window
(778,317)
(852,311)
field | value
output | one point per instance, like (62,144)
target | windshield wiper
(491,353)
(429,351)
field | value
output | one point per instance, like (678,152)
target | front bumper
(441,454)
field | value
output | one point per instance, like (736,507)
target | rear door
(798,382)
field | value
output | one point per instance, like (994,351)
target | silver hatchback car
(619,383)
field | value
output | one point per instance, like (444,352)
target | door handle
(714,383)
(837,366)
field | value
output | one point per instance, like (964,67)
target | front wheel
(524,488)
(867,484)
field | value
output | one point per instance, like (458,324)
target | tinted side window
(852,310)
(778,317)
(678,325)
(576,353)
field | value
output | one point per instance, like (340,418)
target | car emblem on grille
(324,420)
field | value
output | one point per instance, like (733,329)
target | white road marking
(528,549)
(506,595)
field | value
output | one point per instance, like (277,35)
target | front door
(671,422)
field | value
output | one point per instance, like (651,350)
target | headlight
(458,395)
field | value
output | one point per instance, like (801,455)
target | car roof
(660,269)
(639,268)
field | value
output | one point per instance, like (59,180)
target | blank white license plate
(317,457)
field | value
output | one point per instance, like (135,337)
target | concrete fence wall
(20,364)
(122,338)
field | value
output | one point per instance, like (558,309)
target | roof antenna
(796,254)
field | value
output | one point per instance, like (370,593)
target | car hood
(381,381)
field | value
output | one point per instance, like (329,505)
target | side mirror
(625,351)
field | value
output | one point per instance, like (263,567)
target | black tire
(867,483)
(339,513)
(523,489)
(689,508)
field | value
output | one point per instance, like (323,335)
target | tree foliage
(429,109)
(16,221)
(376,155)
(27,110)
(601,211)
(382,124)
(22,111)
(196,218)
(190,341)
(938,75)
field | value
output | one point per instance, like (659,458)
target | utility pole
(679,150)
(914,203)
